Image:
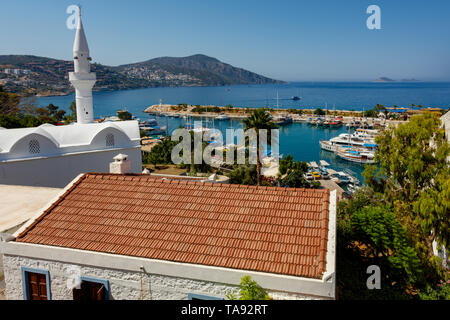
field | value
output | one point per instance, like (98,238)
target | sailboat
(335,123)
(326,122)
(281,119)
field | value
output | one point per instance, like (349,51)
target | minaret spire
(82,78)
(81,48)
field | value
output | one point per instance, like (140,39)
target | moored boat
(222,116)
(364,157)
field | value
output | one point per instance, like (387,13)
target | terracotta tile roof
(268,229)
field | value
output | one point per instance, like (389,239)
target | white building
(52,156)
(114,236)
(17,71)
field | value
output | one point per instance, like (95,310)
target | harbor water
(298,139)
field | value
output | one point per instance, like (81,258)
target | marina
(302,140)
(297,138)
(343,151)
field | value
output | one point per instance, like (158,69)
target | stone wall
(124,285)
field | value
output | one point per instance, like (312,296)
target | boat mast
(167,125)
(363,117)
(348,137)
(277,100)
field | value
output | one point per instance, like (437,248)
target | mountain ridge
(50,76)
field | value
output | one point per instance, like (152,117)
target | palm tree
(259,119)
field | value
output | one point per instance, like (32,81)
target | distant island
(386,79)
(383,79)
(32,75)
(410,80)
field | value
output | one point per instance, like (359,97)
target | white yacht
(350,140)
(364,157)
(148,123)
(222,116)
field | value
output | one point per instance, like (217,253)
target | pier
(241,113)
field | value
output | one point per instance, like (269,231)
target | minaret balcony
(82,76)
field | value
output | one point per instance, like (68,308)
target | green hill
(50,76)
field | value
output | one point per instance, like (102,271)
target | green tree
(73,110)
(250,290)
(319,112)
(385,242)
(124,115)
(414,175)
(439,292)
(193,167)
(54,113)
(259,119)
(368,233)
(9,102)
(243,174)
(52,109)
(44,115)
(291,173)
(160,153)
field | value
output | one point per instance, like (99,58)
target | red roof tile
(275,230)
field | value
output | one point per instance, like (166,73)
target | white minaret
(82,78)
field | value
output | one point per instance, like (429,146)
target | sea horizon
(298,139)
(344,95)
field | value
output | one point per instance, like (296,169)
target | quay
(241,113)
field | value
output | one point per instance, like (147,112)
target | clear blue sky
(289,40)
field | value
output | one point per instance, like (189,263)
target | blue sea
(298,139)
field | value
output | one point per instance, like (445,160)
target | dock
(348,117)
